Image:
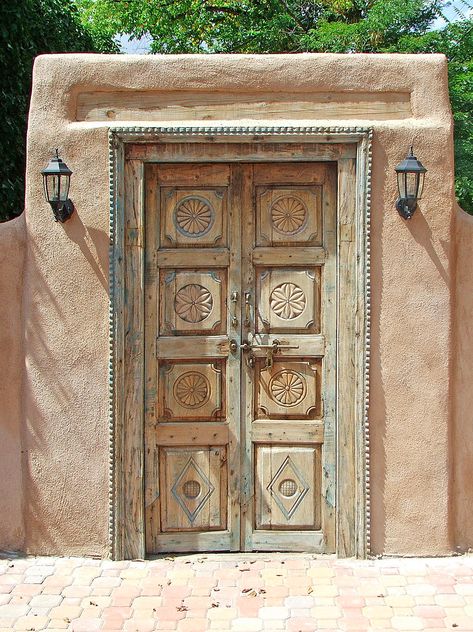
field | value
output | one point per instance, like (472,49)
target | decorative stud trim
(366,387)
(122,134)
(112,145)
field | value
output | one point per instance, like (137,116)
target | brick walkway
(236,592)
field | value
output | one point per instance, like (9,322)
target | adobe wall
(12,254)
(65,306)
(462,445)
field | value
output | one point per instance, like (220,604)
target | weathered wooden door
(240,325)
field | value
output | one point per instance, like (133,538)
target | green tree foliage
(274,26)
(29,28)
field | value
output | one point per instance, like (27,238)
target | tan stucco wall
(65,308)
(462,447)
(12,253)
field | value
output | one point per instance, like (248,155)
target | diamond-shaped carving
(288,488)
(192,489)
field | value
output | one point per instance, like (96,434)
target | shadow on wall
(94,246)
(59,475)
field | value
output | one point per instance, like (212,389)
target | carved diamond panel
(287,487)
(191,390)
(288,216)
(289,390)
(194,493)
(288,300)
(191,302)
(193,217)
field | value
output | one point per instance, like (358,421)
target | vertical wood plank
(329,329)
(133,387)
(151,456)
(346,534)
(235,212)
(247,373)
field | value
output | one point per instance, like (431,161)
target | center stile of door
(240,326)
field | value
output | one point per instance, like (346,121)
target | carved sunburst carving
(287,387)
(192,390)
(287,301)
(288,215)
(193,303)
(194,216)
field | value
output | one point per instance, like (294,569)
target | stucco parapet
(423,76)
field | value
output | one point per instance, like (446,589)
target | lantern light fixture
(56,182)
(410,183)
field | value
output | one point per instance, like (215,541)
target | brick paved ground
(236,592)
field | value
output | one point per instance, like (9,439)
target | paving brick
(302,624)
(326,612)
(377,612)
(247,624)
(299,602)
(46,601)
(31,623)
(193,625)
(13,611)
(407,623)
(86,625)
(65,612)
(274,613)
(142,625)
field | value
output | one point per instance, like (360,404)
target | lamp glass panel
(421,185)
(401,184)
(412,184)
(52,188)
(64,188)
(45,187)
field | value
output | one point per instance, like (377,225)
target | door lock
(271,350)
(233,346)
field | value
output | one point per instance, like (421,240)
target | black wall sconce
(56,181)
(410,182)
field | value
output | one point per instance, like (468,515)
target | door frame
(129,149)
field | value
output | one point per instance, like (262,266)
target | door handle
(247,322)
(234,301)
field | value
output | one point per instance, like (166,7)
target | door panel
(287,487)
(194,485)
(241,313)
(288,300)
(191,391)
(288,215)
(192,302)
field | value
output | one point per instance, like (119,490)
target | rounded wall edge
(462,449)
(12,257)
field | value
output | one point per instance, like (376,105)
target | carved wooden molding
(358,137)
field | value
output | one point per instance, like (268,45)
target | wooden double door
(240,332)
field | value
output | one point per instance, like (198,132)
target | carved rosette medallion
(193,303)
(288,215)
(192,390)
(287,301)
(193,216)
(287,388)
